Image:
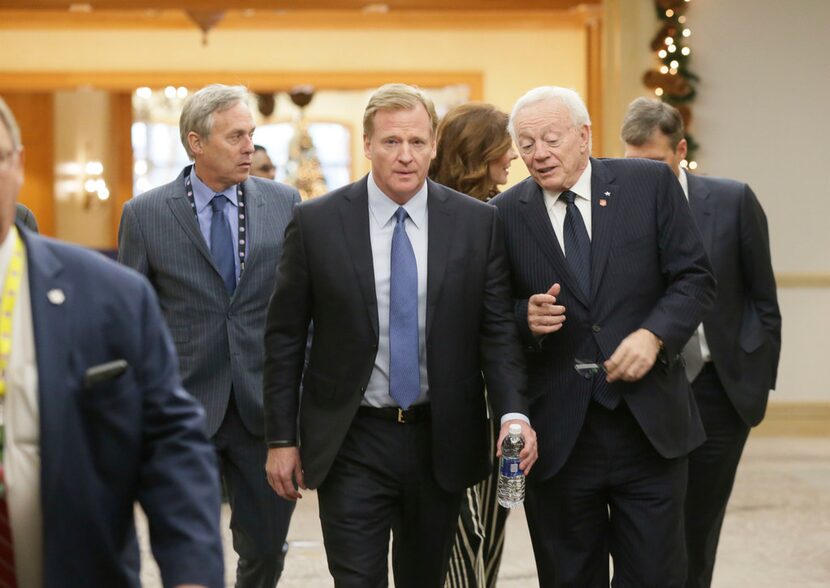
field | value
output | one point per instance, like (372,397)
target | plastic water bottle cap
(515,429)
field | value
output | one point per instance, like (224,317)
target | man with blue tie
(407,287)
(732,358)
(209,242)
(610,244)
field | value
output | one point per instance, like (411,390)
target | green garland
(672,80)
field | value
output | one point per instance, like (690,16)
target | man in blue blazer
(732,359)
(609,279)
(209,241)
(94,418)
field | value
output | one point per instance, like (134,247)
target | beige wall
(510,63)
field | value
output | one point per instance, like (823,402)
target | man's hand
(282,469)
(544,316)
(530,452)
(634,357)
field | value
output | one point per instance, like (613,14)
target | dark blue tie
(404,364)
(221,242)
(578,254)
(577,245)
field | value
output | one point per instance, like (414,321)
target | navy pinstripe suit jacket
(219,339)
(648,269)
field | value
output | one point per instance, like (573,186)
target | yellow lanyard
(11,286)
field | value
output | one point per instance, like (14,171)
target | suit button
(363,389)
(596,328)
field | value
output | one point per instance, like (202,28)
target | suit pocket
(753,334)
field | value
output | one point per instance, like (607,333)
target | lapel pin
(604,201)
(56,296)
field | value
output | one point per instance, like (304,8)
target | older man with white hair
(611,245)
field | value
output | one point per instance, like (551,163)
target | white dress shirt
(21,457)
(704,346)
(557,207)
(381,227)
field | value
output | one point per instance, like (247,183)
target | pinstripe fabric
(648,270)
(219,339)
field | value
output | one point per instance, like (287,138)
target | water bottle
(511,487)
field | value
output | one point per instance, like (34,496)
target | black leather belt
(415,414)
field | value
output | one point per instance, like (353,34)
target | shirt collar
(202,194)
(582,188)
(684,182)
(6,250)
(383,208)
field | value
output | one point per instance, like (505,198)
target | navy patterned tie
(577,245)
(404,364)
(578,254)
(221,242)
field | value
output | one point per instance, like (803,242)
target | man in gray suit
(209,242)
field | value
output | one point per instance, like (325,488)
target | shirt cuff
(514,416)
(281,443)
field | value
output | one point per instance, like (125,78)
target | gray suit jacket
(219,339)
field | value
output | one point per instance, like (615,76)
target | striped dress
(479,540)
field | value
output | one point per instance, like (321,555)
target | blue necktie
(577,245)
(578,254)
(221,242)
(404,363)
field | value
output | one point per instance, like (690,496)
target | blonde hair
(396,97)
(470,137)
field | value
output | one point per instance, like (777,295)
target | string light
(670,78)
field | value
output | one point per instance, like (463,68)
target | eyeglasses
(7,157)
(587,369)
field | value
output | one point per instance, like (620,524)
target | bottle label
(510,467)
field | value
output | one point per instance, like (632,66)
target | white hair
(564,96)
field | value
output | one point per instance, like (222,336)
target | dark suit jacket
(135,437)
(219,339)
(648,269)
(326,275)
(743,329)
(25,216)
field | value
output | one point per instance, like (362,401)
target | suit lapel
(183,213)
(535,215)
(52,298)
(701,206)
(439,245)
(354,216)
(605,203)
(255,226)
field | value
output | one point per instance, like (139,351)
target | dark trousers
(615,495)
(712,468)
(259,518)
(382,479)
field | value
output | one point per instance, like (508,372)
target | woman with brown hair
(473,156)
(474,150)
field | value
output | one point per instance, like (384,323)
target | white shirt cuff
(514,416)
